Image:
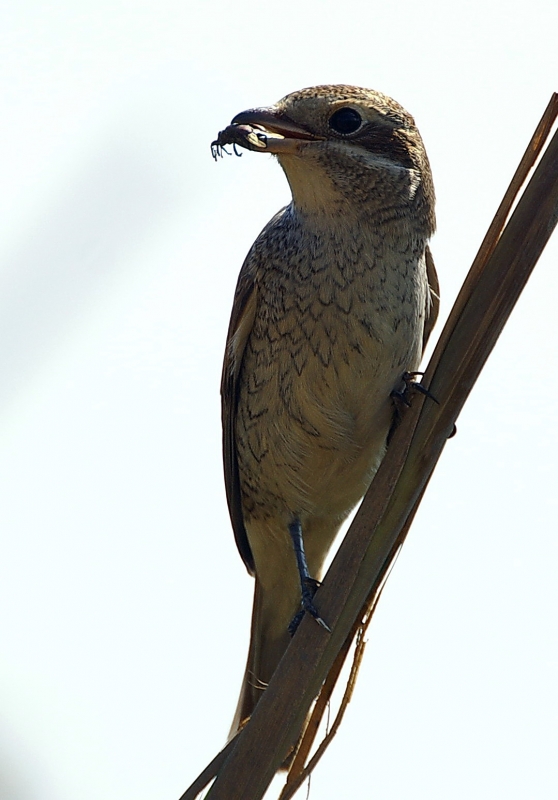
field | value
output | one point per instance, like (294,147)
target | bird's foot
(403,398)
(295,622)
(411,385)
(309,588)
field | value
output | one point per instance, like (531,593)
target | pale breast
(338,322)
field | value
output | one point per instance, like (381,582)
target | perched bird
(334,303)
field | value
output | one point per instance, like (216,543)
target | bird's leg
(308,584)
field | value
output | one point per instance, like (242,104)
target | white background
(124,607)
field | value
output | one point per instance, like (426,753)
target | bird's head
(342,148)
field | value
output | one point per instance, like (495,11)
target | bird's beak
(274,130)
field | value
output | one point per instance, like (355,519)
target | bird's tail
(269,639)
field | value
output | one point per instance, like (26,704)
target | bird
(333,307)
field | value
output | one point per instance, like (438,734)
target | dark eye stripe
(385,141)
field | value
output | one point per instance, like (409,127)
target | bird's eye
(345,120)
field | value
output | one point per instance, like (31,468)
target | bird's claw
(411,385)
(295,622)
(309,588)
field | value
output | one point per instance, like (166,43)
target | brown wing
(433,298)
(242,319)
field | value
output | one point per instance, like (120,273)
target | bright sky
(124,605)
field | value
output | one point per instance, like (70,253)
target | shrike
(334,303)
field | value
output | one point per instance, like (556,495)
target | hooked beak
(282,135)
